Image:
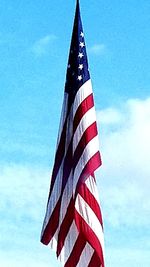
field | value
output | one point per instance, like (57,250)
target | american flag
(73,222)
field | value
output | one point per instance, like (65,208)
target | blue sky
(34,44)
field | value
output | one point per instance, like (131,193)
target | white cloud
(41,46)
(20,188)
(127,257)
(32,257)
(126,163)
(24,192)
(97,49)
(109,116)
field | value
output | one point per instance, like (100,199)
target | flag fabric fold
(73,222)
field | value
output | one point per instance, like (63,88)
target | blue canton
(77,71)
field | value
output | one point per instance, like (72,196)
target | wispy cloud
(98,49)
(40,47)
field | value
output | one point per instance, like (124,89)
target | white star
(80,66)
(82,44)
(79,77)
(82,34)
(80,55)
(69,66)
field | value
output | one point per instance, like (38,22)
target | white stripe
(86,256)
(54,197)
(84,91)
(91,185)
(88,118)
(56,193)
(90,150)
(69,243)
(66,197)
(53,242)
(90,218)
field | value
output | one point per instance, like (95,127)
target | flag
(73,222)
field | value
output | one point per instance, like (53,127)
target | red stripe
(52,225)
(65,226)
(91,201)
(87,136)
(95,261)
(92,165)
(76,252)
(89,235)
(85,105)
